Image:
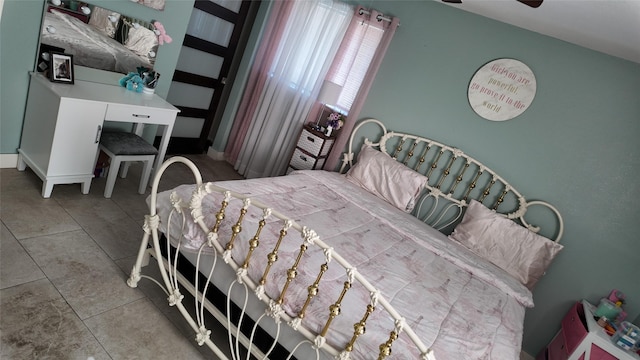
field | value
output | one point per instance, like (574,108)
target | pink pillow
(520,252)
(388,179)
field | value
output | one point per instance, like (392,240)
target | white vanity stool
(125,147)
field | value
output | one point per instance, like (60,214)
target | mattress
(460,305)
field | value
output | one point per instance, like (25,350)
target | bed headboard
(455,178)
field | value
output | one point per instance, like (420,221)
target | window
(354,57)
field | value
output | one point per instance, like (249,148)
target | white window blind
(354,63)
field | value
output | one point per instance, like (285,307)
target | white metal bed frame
(447,169)
(455,193)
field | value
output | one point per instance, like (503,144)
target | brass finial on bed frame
(434,164)
(292,273)
(410,153)
(459,178)
(254,242)
(398,149)
(236,229)
(501,198)
(313,290)
(472,185)
(334,309)
(220,215)
(272,257)
(359,328)
(423,157)
(487,190)
(446,172)
(385,348)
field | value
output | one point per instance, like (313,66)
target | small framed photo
(61,67)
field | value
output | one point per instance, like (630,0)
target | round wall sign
(502,89)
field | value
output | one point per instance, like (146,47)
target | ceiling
(608,26)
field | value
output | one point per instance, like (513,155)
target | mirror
(96,37)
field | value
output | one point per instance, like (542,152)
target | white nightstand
(311,151)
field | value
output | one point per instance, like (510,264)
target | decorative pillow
(520,252)
(388,179)
(141,41)
(100,20)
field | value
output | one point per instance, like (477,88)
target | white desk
(63,123)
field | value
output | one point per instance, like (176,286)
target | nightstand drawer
(557,348)
(574,328)
(314,144)
(597,353)
(580,338)
(302,161)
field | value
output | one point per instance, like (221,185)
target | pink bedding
(459,305)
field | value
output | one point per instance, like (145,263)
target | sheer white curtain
(306,49)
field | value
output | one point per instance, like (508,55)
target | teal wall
(576,146)
(19,31)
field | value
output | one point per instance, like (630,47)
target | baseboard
(215,155)
(8,161)
(525,356)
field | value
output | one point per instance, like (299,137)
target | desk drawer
(137,114)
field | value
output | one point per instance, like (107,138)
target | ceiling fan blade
(532,3)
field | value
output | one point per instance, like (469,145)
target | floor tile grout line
(27,282)
(92,238)
(113,262)
(51,282)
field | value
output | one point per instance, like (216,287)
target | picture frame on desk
(61,67)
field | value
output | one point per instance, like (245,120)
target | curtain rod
(380,17)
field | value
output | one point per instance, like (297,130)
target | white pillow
(100,20)
(388,179)
(522,253)
(141,41)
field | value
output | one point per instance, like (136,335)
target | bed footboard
(282,306)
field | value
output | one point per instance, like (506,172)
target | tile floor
(63,266)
